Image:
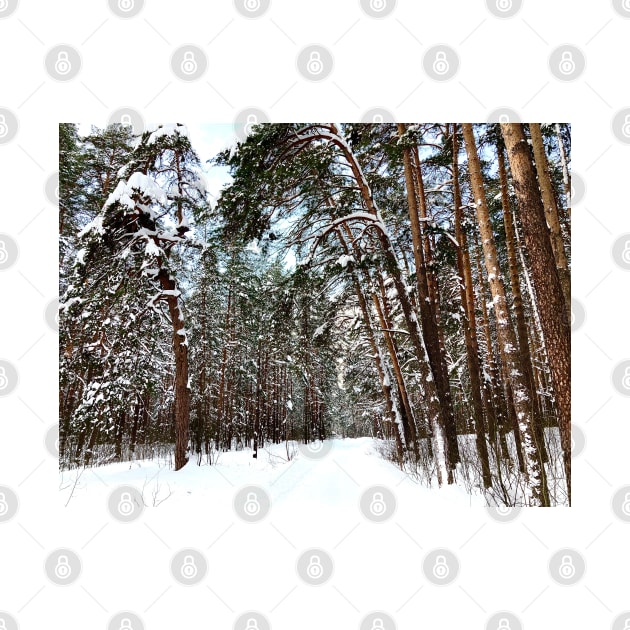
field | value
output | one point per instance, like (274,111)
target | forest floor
(329,487)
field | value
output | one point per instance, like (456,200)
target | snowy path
(314,503)
(329,486)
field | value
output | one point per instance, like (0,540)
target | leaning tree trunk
(470,335)
(566,176)
(551,213)
(517,303)
(427,314)
(547,286)
(507,339)
(392,407)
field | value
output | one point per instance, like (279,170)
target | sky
(208,139)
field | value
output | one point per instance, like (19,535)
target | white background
(378,62)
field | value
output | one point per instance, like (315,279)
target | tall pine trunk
(427,313)
(547,286)
(507,339)
(470,334)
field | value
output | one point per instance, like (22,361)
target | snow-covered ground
(328,486)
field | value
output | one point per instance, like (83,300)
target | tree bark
(517,303)
(507,338)
(470,334)
(551,213)
(427,313)
(547,286)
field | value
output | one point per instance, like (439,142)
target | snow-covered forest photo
(298,305)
